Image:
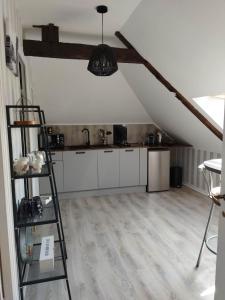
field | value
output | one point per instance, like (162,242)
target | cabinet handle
(108,151)
(53,163)
(52,153)
(129,150)
(80,152)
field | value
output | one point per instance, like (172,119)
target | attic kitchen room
(111,151)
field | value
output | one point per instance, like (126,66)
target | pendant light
(103,60)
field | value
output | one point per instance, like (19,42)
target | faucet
(88,135)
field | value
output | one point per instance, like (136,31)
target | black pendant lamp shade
(103,60)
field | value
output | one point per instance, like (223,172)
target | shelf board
(31,174)
(48,216)
(26,126)
(33,275)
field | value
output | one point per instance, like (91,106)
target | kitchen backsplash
(136,133)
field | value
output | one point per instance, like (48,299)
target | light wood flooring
(135,247)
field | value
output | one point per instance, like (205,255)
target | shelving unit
(29,271)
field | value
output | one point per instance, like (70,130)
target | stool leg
(205,235)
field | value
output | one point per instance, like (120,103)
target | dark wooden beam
(171,88)
(49,33)
(74,51)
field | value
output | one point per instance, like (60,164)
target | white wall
(189,159)
(184,41)
(69,94)
(9,94)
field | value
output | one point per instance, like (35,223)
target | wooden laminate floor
(135,247)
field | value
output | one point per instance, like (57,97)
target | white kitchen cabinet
(44,182)
(129,167)
(80,170)
(143,166)
(108,168)
(57,155)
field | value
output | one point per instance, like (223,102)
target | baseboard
(102,192)
(195,188)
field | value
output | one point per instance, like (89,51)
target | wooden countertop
(102,147)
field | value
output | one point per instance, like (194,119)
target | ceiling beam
(171,88)
(74,51)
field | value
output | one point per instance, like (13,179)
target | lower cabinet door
(80,170)
(108,168)
(44,183)
(129,167)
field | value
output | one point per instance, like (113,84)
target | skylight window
(213,107)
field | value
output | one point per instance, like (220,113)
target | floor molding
(193,187)
(102,192)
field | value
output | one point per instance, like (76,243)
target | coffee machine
(120,135)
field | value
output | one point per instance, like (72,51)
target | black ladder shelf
(29,271)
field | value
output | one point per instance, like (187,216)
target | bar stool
(215,196)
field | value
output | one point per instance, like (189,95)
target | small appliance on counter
(151,139)
(159,138)
(154,139)
(54,140)
(120,135)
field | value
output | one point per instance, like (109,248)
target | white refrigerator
(158,170)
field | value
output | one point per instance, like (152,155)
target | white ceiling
(78,16)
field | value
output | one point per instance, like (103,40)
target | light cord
(102,28)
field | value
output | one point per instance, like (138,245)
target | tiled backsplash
(136,133)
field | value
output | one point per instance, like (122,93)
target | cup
(21,165)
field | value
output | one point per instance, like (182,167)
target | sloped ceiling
(167,111)
(185,41)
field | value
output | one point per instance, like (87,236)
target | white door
(129,167)
(80,170)
(44,182)
(220,265)
(108,168)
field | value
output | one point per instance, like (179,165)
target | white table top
(214,165)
